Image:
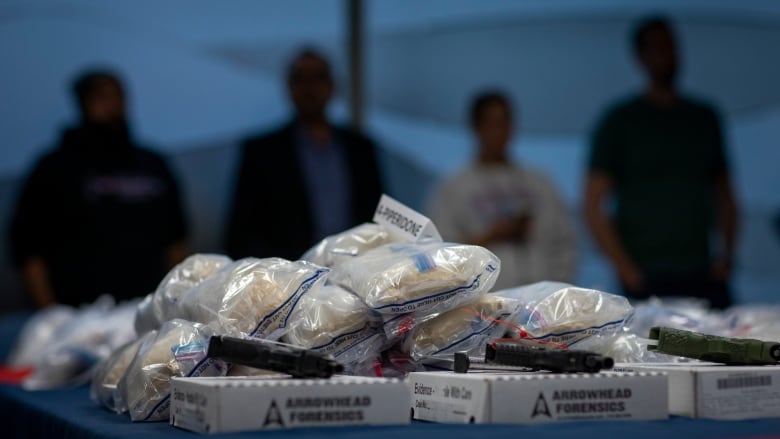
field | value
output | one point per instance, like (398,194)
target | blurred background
(201,75)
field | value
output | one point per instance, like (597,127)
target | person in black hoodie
(98,214)
(306,180)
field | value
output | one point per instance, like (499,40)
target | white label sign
(404,221)
(739,395)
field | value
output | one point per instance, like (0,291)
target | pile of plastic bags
(63,344)
(376,303)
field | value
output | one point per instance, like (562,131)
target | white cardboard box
(715,391)
(526,398)
(215,405)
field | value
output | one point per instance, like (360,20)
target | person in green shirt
(661,156)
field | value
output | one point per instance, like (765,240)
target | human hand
(509,230)
(721,269)
(630,276)
(500,231)
(523,225)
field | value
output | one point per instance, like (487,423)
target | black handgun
(542,357)
(530,355)
(277,357)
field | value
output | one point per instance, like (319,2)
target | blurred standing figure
(513,210)
(306,180)
(661,155)
(99,214)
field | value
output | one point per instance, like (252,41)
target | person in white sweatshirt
(511,209)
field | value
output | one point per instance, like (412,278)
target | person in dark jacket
(306,180)
(98,214)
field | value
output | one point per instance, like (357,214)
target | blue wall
(202,74)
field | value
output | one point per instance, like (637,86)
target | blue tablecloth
(71,414)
